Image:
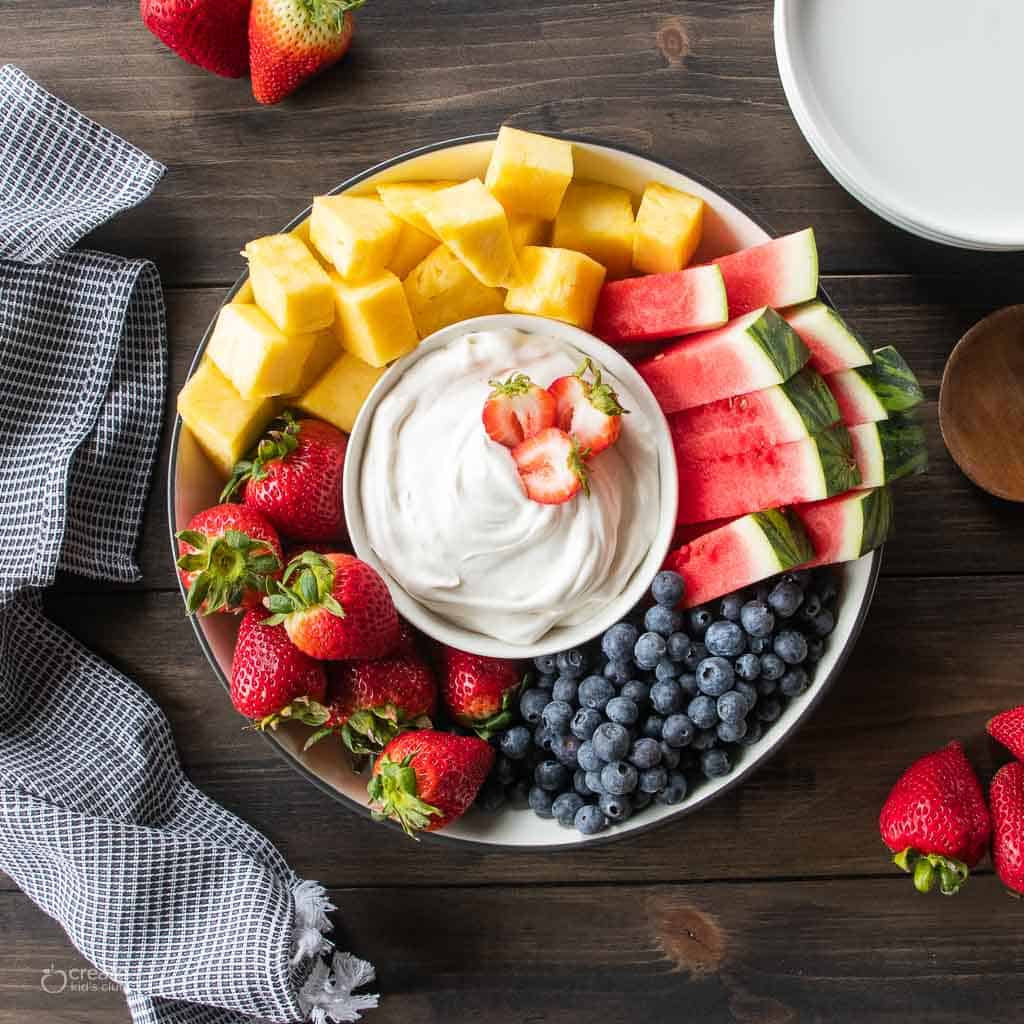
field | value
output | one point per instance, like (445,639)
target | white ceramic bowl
(194,485)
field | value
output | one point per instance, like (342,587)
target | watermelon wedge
(748,354)
(778,273)
(794,409)
(752,481)
(870,393)
(742,552)
(661,305)
(847,526)
(889,449)
(833,345)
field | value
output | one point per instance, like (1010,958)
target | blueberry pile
(660,701)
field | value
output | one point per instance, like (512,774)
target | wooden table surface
(775,904)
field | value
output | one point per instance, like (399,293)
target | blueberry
(619,672)
(757,619)
(694,656)
(715,763)
(794,682)
(572,662)
(801,577)
(551,775)
(491,796)
(815,649)
(519,791)
(595,692)
(557,716)
(540,801)
(515,742)
(641,800)
(545,664)
(645,753)
(649,650)
(532,704)
(732,707)
(564,808)
(635,690)
(823,623)
(758,644)
(704,740)
(504,769)
(666,669)
(579,783)
(669,756)
(546,683)
(791,646)
(703,712)
(619,778)
(766,687)
(827,589)
(761,592)
(666,697)
(622,710)
(659,619)
(754,731)
(651,726)
(715,676)
(785,598)
(731,732)
(618,641)
(593,781)
(668,588)
(677,645)
(811,606)
(586,758)
(772,666)
(748,667)
(678,731)
(590,820)
(674,791)
(768,710)
(749,692)
(611,741)
(725,639)
(731,606)
(584,722)
(653,780)
(542,737)
(698,620)
(565,690)
(615,808)
(688,684)
(566,749)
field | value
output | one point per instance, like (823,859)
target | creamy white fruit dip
(446,513)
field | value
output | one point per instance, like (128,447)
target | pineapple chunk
(529,173)
(326,349)
(254,355)
(224,424)
(527,230)
(289,285)
(301,232)
(340,392)
(401,197)
(558,283)
(373,318)
(668,229)
(597,220)
(473,224)
(441,291)
(413,247)
(356,233)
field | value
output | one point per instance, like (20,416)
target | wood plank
(693,84)
(836,951)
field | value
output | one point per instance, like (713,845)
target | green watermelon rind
(904,449)
(838,466)
(876,509)
(779,342)
(813,401)
(786,535)
(892,380)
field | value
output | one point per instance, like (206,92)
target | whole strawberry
(587,410)
(1006,799)
(290,41)
(480,693)
(335,607)
(1008,729)
(935,820)
(294,479)
(214,34)
(370,702)
(272,680)
(229,556)
(426,779)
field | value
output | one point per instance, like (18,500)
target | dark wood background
(777,903)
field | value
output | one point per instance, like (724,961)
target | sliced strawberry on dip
(516,409)
(587,410)
(551,467)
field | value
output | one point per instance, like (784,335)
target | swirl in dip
(447,515)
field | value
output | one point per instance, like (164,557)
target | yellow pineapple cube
(441,291)
(340,392)
(301,232)
(413,247)
(557,283)
(224,424)
(401,198)
(529,173)
(528,230)
(326,349)
(373,318)
(356,233)
(597,220)
(289,285)
(668,229)
(254,355)
(473,224)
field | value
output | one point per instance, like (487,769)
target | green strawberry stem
(225,568)
(488,727)
(576,463)
(394,790)
(600,395)
(517,384)
(308,582)
(331,12)
(927,868)
(280,441)
(302,709)
(369,731)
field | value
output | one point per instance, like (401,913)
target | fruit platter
(527,492)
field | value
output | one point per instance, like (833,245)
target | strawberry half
(550,465)
(213,34)
(479,692)
(1006,799)
(588,410)
(516,409)
(1008,729)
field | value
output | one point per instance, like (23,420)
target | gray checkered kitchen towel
(195,914)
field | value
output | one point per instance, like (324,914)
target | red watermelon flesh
(778,273)
(847,526)
(834,345)
(660,306)
(687,533)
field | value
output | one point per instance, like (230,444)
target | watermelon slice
(870,393)
(833,345)
(778,273)
(752,481)
(748,354)
(661,305)
(889,449)
(742,552)
(794,409)
(847,526)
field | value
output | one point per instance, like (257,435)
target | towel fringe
(327,993)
